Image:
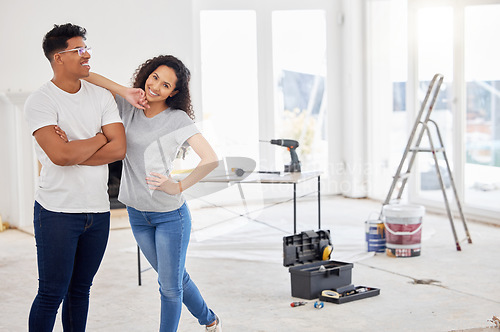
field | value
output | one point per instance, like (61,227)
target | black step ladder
(422,126)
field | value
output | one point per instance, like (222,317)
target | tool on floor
(297,304)
(319,304)
(421,128)
(291,145)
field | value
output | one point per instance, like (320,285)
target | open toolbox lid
(306,247)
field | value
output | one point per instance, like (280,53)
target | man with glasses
(71,213)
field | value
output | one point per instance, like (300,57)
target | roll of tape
(319,304)
(327,252)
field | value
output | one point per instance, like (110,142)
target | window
(482,120)
(458,40)
(263,77)
(435,56)
(229,81)
(387,116)
(299,62)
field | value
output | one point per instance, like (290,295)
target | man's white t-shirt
(78,188)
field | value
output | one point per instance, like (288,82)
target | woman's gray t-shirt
(152,145)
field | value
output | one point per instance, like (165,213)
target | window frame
(458,106)
(265,76)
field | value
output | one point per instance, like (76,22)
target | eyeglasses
(81,50)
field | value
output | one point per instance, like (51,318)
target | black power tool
(291,145)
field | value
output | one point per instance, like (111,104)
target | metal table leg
(319,202)
(139,281)
(294,208)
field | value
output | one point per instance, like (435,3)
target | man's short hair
(56,40)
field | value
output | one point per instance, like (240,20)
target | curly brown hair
(182,99)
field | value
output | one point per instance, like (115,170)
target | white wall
(19,166)
(379,106)
(353,115)
(122,33)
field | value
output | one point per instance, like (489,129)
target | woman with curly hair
(158,118)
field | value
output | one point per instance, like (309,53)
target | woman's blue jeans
(70,247)
(163,238)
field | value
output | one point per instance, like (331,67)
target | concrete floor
(237,264)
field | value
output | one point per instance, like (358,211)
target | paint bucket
(375,235)
(403,226)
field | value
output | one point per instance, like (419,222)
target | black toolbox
(310,279)
(311,271)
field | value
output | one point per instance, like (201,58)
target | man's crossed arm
(102,149)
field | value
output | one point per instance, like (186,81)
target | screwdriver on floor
(297,304)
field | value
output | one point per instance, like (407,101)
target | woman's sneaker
(217,327)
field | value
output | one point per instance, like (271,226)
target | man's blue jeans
(163,238)
(70,247)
